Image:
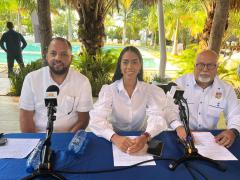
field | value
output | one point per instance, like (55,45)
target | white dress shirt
(75,95)
(205,105)
(115,111)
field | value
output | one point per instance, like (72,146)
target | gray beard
(203,79)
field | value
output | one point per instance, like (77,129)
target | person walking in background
(13,43)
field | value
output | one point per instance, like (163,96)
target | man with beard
(74,98)
(207,96)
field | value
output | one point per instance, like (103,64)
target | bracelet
(147,135)
(235,132)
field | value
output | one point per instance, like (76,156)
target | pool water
(33,52)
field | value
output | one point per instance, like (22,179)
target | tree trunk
(19,26)
(219,24)
(43,8)
(124,29)
(162,41)
(91,25)
(146,38)
(69,23)
(152,39)
(35,24)
(155,39)
(175,42)
(207,27)
(184,39)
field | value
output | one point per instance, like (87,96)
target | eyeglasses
(201,66)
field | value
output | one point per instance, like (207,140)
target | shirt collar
(53,82)
(120,85)
(194,83)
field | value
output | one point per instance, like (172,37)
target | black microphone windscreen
(172,84)
(53,88)
(51,96)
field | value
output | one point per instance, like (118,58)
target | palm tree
(162,41)
(217,13)
(220,21)
(43,11)
(91,24)
(126,7)
(44,18)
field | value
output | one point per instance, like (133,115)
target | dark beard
(59,72)
(62,71)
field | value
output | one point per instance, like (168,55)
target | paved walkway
(9,112)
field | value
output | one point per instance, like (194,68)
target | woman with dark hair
(129,104)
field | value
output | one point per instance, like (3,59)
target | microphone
(175,91)
(51,96)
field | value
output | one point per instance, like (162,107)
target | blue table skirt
(98,155)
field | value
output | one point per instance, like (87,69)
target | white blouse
(115,111)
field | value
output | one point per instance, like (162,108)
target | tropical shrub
(185,61)
(98,69)
(18,75)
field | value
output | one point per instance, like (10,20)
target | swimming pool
(33,52)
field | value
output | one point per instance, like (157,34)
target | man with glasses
(74,98)
(207,96)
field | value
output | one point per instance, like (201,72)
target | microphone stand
(190,151)
(45,168)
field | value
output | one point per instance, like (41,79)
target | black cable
(111,170)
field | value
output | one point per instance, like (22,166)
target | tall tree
(91,24)
(161,30)
(126,9)
(210,6)
(43,11)
(218,25)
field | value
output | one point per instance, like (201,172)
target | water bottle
(78,143)
(33,160)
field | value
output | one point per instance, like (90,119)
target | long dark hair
(118,74)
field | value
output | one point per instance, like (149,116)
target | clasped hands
(129,145)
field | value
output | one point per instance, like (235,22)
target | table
(98,155)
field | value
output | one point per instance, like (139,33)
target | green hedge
(98,69)
(17,78)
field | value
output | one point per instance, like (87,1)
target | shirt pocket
(68,105)
(215,107)
(190,100)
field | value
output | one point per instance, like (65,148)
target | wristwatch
(235,132)
(147,135)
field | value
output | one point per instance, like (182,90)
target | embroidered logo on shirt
(218,95)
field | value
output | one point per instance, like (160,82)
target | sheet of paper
(206,145)
(123,159)
(17,148)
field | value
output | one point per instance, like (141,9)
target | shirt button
(200,102)
(199,125)
(199,113)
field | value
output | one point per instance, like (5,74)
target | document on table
(123,159)
(206,145)
(17,148)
